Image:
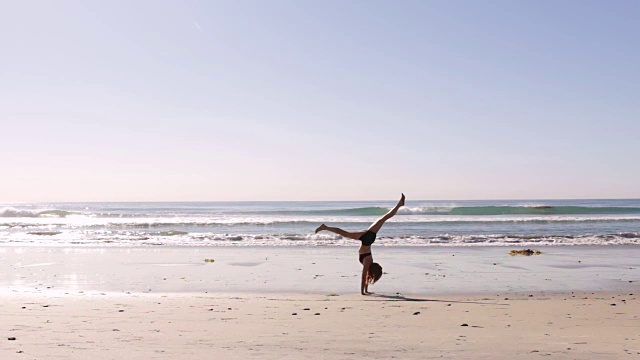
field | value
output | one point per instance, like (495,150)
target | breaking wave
(468,210)
(14,213)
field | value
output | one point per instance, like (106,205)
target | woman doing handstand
(371,271)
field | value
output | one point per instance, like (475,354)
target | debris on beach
(525,252)
(209,260)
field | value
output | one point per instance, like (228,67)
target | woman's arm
(363,283)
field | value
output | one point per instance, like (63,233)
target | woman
(371,271)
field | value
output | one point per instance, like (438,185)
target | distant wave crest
(541,210)
(11,213)
(374,211)
(473,210)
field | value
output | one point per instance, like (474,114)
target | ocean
(420,223)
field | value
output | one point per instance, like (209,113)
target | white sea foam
(107,238)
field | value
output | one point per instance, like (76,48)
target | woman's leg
(375,227)
(351,235)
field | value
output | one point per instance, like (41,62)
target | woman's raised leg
(375,227)
(351,235)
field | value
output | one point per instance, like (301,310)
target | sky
(318,100)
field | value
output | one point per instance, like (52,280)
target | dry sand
(299,326)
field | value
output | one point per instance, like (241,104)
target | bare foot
(320,228)
(401,202)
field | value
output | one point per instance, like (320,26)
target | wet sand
(320,270)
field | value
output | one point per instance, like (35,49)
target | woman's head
(374,273)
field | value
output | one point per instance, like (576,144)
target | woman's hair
(374,273)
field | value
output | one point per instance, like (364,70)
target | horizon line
(291,201)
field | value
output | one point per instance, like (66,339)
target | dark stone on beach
(613,304)
(530,295)
(416,313)
(120,310)
(306,309)
(294,314)
(316,314)
(115,330)
(24,307)
(11,338)
(464,325)
(45,305)
(448,304)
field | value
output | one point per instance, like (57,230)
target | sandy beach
(297,326)
(272,303)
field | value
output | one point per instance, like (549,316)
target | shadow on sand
(400,297)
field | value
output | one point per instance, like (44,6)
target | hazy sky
(318,100)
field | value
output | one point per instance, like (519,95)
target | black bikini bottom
(368,238)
